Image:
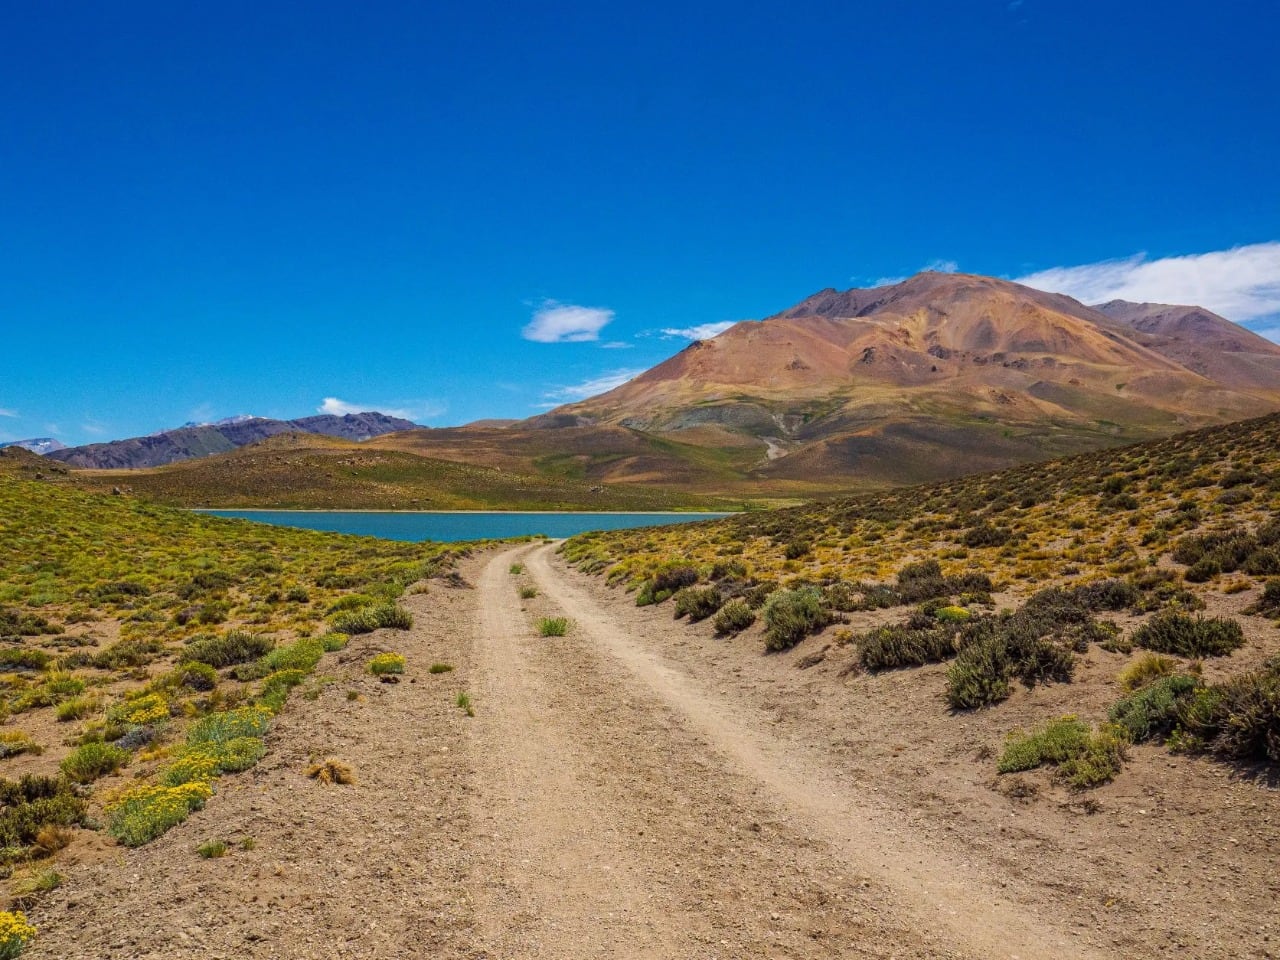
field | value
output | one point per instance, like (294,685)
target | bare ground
(638,788)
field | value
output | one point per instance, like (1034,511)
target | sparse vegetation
(384,664)
(553,626)
(464,704)
(212,849)
(1186,636)
(734,617)
(791,615)
(1084,758)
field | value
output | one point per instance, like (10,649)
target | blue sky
(476,210)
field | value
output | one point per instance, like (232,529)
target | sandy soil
(638,788)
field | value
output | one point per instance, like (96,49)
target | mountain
(40,445)
(1201,341)
(185,443)
(943,374)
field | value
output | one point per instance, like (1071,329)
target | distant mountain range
(40,445)
(202,440)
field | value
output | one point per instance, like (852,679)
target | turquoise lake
(451,527)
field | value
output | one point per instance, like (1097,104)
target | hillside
(202,440)
(304,471)
(940,375)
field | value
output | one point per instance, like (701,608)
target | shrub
(516,568)
(194,675)
(14,742)
(1148,667)
(1172,632)
(697,603)
(92,760)
(1083,758)
(1238,719)
(921,581)
(368,619)
(331,770)
(249,721)
(386,663)
(23,658)
(440,668)
(50,692)
(1269,602)
(553,626)
(979,677)
(528,593)
(144,813)
(666,582)
(202,762)
(15,933)
(77,708)
(212,850)
(791,615)
(139,711)
(34,803)
(1054,743)
(952,614)
(734,617)
(985,535)
(127,653)
(277,686)
(228,649)
(902,645)
(1153,710)
(1107,595)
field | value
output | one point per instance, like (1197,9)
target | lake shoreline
(709,514)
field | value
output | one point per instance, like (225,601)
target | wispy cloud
(937,265)
(419,411)
(702,331)
(1242,283)
(555,322)
(4,412)
(93,428)
(590,388)
(617,345)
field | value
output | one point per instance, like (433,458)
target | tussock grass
(553,626)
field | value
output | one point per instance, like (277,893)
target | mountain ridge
(188,442)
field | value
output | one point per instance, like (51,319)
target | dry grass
(332,770)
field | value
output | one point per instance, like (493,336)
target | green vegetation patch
(1083,757)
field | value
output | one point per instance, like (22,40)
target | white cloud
(616,345)
(938,266)
(8,413)
(703,331)
(422,411)
(942,266)
(93,428)
(555,322)
(1242,283)
(589,388)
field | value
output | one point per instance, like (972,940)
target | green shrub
(440,668)
(368,619)
(1238,719)
(1153,711)
(92,760)
(194,675)
(23,658)
(697,603)
(227,650)
(791,615)
(384,664)
(127,653)
(666,582)
(1084,759)
(528,593)
(553,626)
(1055,742)
(77,708)
(1269,603)
(145,813)
(249,721)
(1172,632)
(734,617)
(906,645)
(34,802)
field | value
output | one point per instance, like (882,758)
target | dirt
(638,788)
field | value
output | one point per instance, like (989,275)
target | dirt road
(607,799)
